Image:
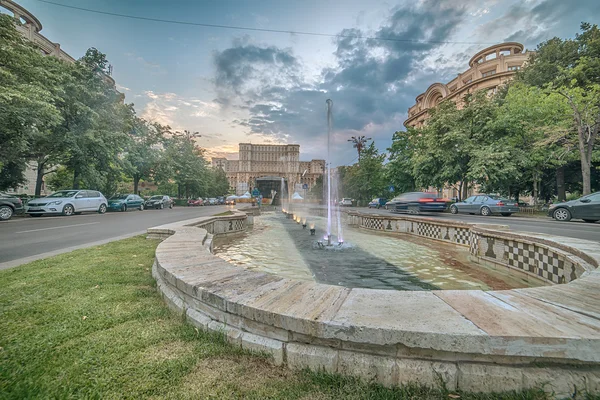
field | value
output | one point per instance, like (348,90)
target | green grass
(90,324)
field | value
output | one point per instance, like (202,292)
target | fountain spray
(328,163)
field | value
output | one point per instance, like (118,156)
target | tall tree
(144,150)
(399,169)
(571,69)
(365,180)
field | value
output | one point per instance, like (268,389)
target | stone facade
(262,160)
(488,69)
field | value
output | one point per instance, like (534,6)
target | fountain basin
(473,340)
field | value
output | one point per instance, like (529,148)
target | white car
(68,202)
(345,202)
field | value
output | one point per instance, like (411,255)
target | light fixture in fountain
(312,230)
(304,223)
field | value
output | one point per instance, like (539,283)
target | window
(490,57)
(514,67)
(470,199)
(504,52)
(488,73)
(468,80)
(453,88)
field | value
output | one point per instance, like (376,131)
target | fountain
(332,187)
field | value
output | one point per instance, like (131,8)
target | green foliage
(365,180)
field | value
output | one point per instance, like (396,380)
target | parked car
(124,202)
(417,202)
(485,204)
(68,202)
(195,202)
(345,202)
(377,203)
(230,200)
(212,201)
(586,208)
(159,202)
(220,200)
(10,205)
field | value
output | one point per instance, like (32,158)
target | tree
(365,180)
(144,150)
(29,84)
(359,142)
(399,169)
(571,69)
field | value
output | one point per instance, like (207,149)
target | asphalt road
(26,239)
(574,229)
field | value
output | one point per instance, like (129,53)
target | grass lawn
(90,324)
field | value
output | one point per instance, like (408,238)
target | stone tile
(427,373)
(578,298)
(300,356)
(390,317)
(369,367)
(489,378)
(197,319)
(265,345)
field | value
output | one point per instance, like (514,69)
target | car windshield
(64,193)
(119,197)
(156,198)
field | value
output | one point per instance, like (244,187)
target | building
(267,160)
(488,69)
(29,27)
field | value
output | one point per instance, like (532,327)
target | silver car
(485,204)
(68,202)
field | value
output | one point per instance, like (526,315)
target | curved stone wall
(550,259)
(472,340)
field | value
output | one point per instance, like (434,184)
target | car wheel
(562,214)
(6,213)
(454,210)
(141,207)
(68,210)
(102,208)
(591,221)
(485,211)
(162,206)
(124,207)
(506,214)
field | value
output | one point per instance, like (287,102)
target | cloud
(371,83)
(121,87)
(179,112)
(150,67)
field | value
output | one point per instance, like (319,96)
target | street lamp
(359,143)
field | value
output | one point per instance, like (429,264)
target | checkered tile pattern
(461,235)
(521,255)
(373,223)
(551,266)
(474,244)
(429,230)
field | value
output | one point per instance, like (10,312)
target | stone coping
(473,340)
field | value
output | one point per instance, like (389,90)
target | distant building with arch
(488,69)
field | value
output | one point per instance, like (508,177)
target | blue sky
(243,86)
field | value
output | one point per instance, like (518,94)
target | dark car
(416,203)
(377,203)
(9,206)
(220,200)
(586,208)
(159,202)
(485,204)
(124,202)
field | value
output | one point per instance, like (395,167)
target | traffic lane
(574,229)
(32,236)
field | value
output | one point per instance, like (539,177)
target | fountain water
(332,184)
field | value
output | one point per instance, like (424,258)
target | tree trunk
(465,190)
(39,179)
(136,181)
(585,174)
(535,189)
(460,185)
(560,184)
(76,176)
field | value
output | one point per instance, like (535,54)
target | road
(27,239)
(574,229)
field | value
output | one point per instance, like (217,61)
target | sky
(235,85)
